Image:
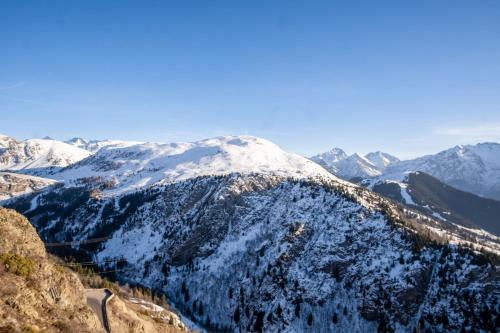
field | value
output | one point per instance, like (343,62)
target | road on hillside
(97,299)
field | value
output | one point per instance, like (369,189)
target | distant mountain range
(44,156)
(37,154)
(354,166)
(95,145)
(454,185)
(471,168)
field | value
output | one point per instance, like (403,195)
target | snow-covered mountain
(6,141)
(431,196)
(347,167)
(330,158)
(94,145)
(37,154)
(245,237)
(146,164)
(472,168)
(356,166)
(14,184)
(381,160)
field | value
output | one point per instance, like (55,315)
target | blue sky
(407,77)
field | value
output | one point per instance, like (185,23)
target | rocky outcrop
(12,184)
(38,295)
(38,156)
(138,316)
(35,293)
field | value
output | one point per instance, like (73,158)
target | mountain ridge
(275,242)
(246,237)
(442,201)
(34,154)
(95,145)
(471,168)
(153,163)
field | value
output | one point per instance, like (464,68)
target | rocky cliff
(36,294)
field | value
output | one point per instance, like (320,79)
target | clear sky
(407,77)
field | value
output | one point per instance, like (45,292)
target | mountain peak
(76,140)
(150,163)
(347,167)
(472,168)
(38,154)
(328,158)
(6,141)
(381,160)
(94,145)
(356,166)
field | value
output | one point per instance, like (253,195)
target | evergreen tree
(270,318)
(310,319)
(195,308)
(297,310)
(279,311)
(200,309)
(259,321)
(236,315)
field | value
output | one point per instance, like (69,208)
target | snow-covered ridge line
(355,165)
(95,145)
(138,166)
(443,232)
(471,168)
(34,154)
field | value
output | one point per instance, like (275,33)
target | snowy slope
(152,163)
(37,154)
(263,253)
(330,158)
(433,197)
(472,168)
(6,141)
(356,166)
(347,167)
(94,145)
(381,160)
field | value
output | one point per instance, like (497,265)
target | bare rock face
(36,155)
(139,316)
(35,293)
(12,184)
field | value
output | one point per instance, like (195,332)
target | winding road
(98,299)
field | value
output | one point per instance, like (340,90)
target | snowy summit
(150,163)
